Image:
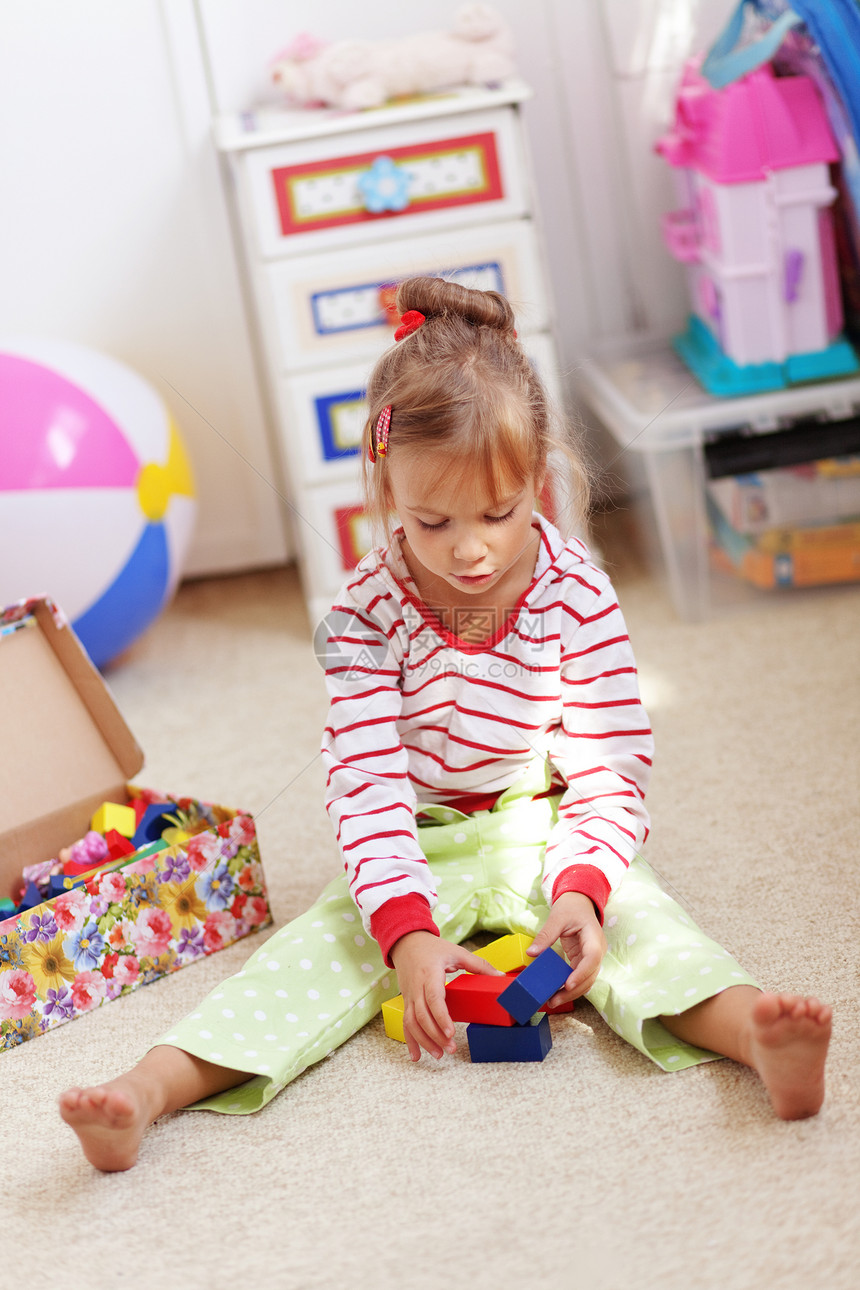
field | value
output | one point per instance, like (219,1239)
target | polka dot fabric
(321,978)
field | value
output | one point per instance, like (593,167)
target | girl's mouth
(473,581)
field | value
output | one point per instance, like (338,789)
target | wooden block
(153,823)
(118,845)
(471,997)
(507,953)
(112,815)
(530,990)
(392,1016)
(510,1043)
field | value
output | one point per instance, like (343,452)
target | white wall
(114,224)
(114,235)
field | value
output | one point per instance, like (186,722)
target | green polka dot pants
(321,978)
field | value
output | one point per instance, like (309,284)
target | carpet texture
(593,1169)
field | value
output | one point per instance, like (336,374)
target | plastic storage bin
(655,408)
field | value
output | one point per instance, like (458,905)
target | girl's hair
(461,383)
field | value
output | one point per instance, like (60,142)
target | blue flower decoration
(385,186)
(216,888)
(87,947)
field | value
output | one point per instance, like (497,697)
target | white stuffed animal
(356,74)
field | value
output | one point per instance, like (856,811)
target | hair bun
(436,298)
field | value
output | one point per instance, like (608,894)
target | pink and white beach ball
(96,492)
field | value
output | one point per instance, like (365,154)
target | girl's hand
(421,961)
(573,920)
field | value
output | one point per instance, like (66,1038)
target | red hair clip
(409,322)
(383,425)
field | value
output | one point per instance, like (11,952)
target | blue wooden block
(31,898)
(509,1043)
(535,984)
(153,822)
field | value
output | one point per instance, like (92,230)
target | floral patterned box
(136,920)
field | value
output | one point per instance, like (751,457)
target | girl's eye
(500,519)
(490,519)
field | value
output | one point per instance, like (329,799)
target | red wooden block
(473,997)
(562,1007)
(118,845)
(74,868)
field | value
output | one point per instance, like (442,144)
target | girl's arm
(603,751)
(369,796)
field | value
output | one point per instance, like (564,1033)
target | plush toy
(356,74)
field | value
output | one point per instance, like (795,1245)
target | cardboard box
(66,749)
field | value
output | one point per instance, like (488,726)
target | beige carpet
(592,1170)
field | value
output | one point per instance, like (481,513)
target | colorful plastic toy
(755,231)
(528,1043)
(86,854)
(535,984)
(96,493)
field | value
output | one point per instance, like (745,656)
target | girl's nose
(469,546)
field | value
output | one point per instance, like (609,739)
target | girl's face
(459,534)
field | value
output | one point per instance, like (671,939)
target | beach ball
(96,491)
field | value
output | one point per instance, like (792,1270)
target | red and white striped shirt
(420,716)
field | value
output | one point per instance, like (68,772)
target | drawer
(330,308)
(318,193)
(332,532)
(322,416)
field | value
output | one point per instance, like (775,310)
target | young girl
(487,757)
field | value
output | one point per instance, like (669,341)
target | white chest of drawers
(321,261)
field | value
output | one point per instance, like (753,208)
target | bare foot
(110,1120)
(788,1048)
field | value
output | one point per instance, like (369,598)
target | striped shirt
(418,715)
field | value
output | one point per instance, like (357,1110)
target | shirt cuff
(397,917)
(588,881)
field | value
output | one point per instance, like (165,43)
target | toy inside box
(782,515)
(135,916)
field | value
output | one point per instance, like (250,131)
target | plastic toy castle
(755,230)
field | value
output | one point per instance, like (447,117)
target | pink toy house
(756,233)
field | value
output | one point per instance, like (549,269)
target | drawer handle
(385,186)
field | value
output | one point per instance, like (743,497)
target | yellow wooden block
(111,815)
(507,953)
(392,1015)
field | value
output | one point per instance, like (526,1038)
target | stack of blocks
(503,1012)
